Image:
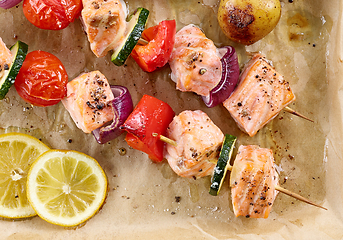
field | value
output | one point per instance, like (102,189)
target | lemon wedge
(66,188)
(17,152)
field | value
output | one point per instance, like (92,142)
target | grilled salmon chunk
(198,143)
(195,61)
(253,180)
(260,95)
(104,23)
(87,101)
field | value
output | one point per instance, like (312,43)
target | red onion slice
(6,4)
(229,80)
(122,107)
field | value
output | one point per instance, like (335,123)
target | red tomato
(157,52)
(146,123)
(52,14)
(42,80)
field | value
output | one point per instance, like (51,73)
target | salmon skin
(105,24)
(253,180)
(6,58)
(195,62)
(88,101)
(260,95)
(198,144)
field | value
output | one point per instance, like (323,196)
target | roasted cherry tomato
(52,14)
(159,48)
(42,80)
(146,123)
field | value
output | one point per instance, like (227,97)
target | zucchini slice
(135,27)
(19,51)
(223,164)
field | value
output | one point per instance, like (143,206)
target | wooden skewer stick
(297,196)
(290,110)
(166,140)
(142,41)
(229,168)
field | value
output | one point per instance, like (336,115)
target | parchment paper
(305,47)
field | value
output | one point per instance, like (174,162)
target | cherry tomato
(146,123)
(157,52)
(42,80)
(52,14)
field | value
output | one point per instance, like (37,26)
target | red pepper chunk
(146,123)
(157,52)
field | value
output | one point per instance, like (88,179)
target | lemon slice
(66,188)
(17,152)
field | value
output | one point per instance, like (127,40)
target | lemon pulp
(66,188)
(17,152)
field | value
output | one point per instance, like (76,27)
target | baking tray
(148,200)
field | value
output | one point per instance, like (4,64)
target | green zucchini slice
(19,51)
(223,164)
(136,26)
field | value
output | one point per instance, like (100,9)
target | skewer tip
(290,110)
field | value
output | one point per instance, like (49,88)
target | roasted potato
(247,21)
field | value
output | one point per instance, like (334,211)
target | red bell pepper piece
(157,52)
(146,123)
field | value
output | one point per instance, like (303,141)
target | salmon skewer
(195,61)
(5,58)
(104,23)
(197,143)
(87,101)
(259,97)
(254,183)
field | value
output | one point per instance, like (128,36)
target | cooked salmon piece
(195,62)
(252,181)
(88,101)
(260,95)
(6,58)
(198,144)
(104,23)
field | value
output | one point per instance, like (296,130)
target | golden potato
(247,21)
